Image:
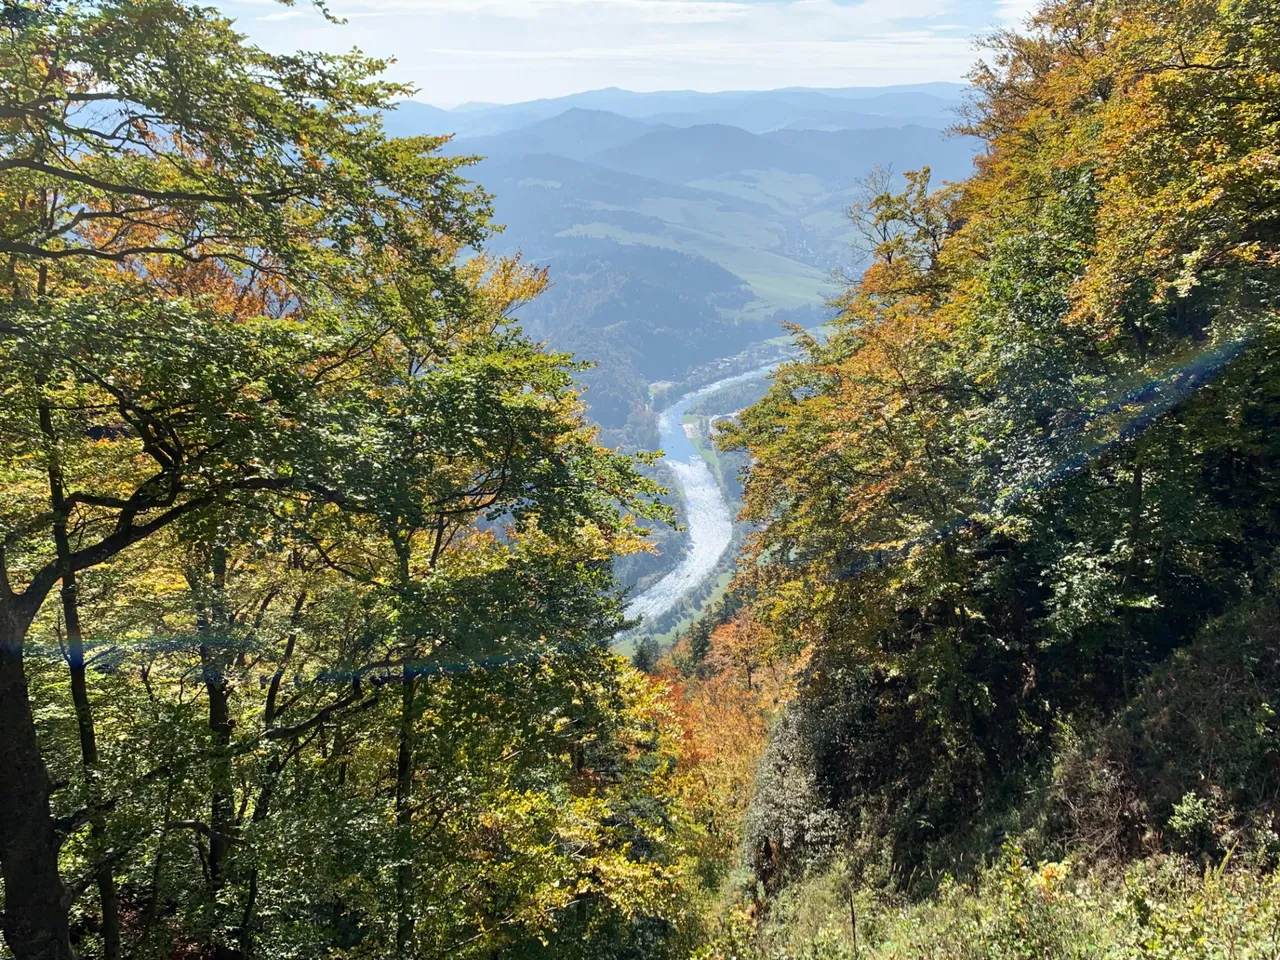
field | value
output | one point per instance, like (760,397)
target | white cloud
(1014,13)
(506,50)
(618,11)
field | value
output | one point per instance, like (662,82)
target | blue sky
(509,50)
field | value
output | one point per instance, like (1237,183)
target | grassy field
(778,282)
(784,192)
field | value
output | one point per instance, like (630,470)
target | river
(709,524)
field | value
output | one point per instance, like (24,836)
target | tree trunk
(221,804)
(215,659)
(404,817)
(36,903)
(104,876)
(1130,577)
(274,768)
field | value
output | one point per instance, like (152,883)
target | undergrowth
(1159,907)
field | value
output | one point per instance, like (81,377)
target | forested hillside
(1018,525)
(307,548)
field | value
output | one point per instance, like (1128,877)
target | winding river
(709,524)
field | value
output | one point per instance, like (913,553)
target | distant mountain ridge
(679,155)
(928,104)
(841,157)
(577,134)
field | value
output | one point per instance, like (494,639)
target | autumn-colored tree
(725,726)
(744,646)
(997,490)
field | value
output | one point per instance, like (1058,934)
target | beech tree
(239,328)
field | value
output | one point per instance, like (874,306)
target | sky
(505,51)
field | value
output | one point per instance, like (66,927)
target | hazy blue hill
(807,109)
(637,104)
(843,156)
(937,88)
(839,158)
(509,116)
(679,155)
(577,134)
(682,154)
(571,184)
(763,116)
(631,103)
(904,103)
(411,118)
(475,106)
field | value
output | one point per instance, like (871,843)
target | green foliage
(327,671)
(645,659)
(1192,819)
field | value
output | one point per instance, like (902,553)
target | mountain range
(926,104)
(679,227)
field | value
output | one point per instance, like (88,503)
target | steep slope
(1018,517)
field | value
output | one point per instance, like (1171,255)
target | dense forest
(308,552)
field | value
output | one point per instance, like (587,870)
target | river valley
(709,518)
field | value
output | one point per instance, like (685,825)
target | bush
(1192,763)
